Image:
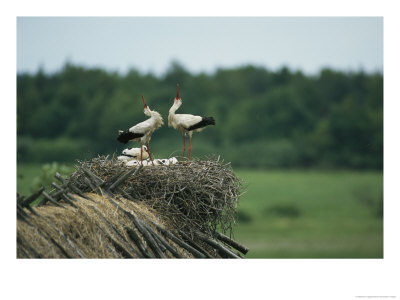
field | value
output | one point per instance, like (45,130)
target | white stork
(142,132)
(186,123)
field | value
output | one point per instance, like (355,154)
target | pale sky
(201,44)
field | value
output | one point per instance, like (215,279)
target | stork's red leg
(141,154)
(184,145)
(190,147)
(148,149)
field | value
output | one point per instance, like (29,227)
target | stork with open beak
(142,132)
(186,123)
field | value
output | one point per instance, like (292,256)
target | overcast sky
(202,44)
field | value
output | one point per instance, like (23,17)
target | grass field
(311,214)
(299,214)
(29,176)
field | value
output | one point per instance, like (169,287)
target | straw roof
(108,210)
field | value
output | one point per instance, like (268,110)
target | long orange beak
(177,91)
(144,102)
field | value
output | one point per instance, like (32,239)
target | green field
(29,176)
(312,214)
(300,214)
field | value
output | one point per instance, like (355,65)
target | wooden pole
(124,177)
(216,245)
(31,198)
(232,243)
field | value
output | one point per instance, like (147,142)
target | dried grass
(88,231)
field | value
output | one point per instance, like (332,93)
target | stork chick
(132,163)
(173,161)
(162,162)
(142,132)
(124,158)
(134,153)
(186,123)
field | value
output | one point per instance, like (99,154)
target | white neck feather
(157,118)
(172,111)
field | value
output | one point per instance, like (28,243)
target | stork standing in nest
(142,132)
(186,123)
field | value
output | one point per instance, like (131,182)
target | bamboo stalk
(179,242)
(125,194)
(124,177)
(72,186)
(168,247)
(125,253)
(216,245)
(78,191)
(32,210)
(22,215)
(136,239)
(31,198)
(49,239)
(97,180)
(232,243)
(158,249)
(158,241)
(61,194)
(111,180)
(195,245)
(112,250)
(65,237)
(50,198)
(152,244)
(115,231)
(57,186)
(60,178)
(56,195)
(90,184)
(68,200)
(64,252)
(20,198)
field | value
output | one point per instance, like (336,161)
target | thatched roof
(108,210)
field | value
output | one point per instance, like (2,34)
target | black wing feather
(205,121)
(126,135)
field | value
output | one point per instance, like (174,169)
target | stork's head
(147,111)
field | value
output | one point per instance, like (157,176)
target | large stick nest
(200,195)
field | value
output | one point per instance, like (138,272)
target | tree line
(264,119)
